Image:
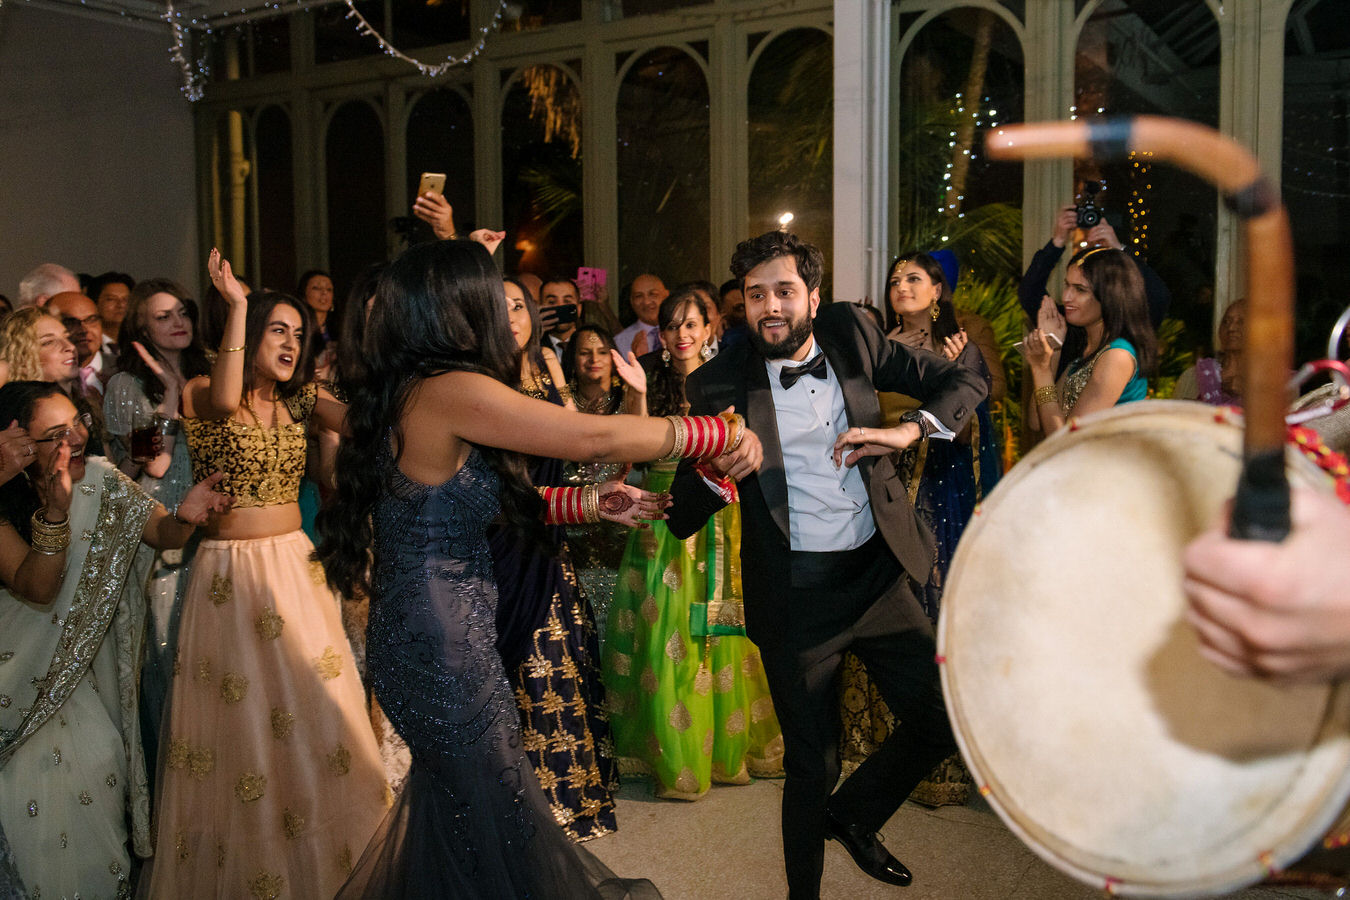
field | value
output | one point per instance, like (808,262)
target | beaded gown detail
(472,820)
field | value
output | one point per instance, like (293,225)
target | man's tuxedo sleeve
(947,390)
(693,501)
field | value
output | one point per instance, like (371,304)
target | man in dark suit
(825,547)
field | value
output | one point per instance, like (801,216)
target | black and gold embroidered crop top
(263,466)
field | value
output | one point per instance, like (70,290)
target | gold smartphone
(431,183)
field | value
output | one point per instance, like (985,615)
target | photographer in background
(1090,220)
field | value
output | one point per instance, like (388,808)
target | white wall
(96,149)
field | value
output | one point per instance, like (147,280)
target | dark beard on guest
(799,332)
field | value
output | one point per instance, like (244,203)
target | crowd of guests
(189,700)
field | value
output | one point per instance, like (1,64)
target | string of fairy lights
(195,72)
(951,199)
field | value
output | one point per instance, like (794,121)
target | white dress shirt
(828,507)
(624,339)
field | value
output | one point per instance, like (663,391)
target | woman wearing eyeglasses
(72,775)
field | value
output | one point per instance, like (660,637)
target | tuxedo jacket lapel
(762,420)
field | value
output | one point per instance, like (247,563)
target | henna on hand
(615,503)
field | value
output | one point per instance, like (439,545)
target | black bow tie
(816,367)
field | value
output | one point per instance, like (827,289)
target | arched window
(1315,176)
(962,73)
(355,183)
(276,198)
(663,160)
(1156,59)
(541,172)
(790,101)
(440,139)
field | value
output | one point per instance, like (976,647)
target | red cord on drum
(1328,460)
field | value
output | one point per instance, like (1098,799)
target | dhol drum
(1078,696)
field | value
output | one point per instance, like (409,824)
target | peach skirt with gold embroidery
(270,779)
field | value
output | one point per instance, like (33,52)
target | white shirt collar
(776,366)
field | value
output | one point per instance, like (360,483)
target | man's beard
(799,332)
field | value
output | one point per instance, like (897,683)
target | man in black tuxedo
(825,547)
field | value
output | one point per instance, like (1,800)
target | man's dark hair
(559,279)
(731,284)
(96,285)
(773,244)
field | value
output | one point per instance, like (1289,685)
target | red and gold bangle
(703,437)
(571,505)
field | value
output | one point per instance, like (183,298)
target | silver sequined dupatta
(46,650)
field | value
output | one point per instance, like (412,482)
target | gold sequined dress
(271,781)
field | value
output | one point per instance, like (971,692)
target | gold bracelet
(590,503)
(231,349)
(681,437)
(1046,395)
(49,539)
(736,422)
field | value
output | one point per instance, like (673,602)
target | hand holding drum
(1276,610)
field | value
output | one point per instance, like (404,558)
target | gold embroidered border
(122,514)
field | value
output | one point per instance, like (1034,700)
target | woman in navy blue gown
(431,460)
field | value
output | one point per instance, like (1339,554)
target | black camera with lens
(1089,213)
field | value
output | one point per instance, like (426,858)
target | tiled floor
(726,847)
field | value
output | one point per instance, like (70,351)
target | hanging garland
(430,71)
(195,75)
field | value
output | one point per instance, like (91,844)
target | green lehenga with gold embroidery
(689,703)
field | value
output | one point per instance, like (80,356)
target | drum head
(1075,686)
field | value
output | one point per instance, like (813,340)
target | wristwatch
(918,418)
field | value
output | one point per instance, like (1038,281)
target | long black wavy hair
(18,499)
(1119,288)
(945,325)
(439,308)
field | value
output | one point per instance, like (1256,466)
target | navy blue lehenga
(472,820)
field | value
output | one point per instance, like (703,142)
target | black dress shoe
(868,852)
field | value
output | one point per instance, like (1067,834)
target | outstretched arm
(485,411)
(949,391)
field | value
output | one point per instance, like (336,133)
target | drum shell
(1075,687)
